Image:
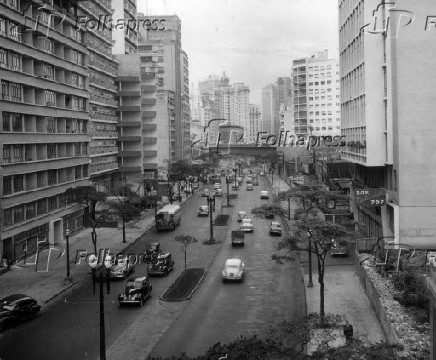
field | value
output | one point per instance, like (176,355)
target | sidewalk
(343,293)
(44,279)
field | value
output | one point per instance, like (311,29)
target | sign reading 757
(370,197)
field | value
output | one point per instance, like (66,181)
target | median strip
(185,285)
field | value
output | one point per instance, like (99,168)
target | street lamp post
(310,283)
(228,195)
(211,203)
(67,238)
(93,263)
(154,192)
(170,196)
(289,208)
(235,170)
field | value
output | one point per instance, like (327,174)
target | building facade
(103,104)
(45,129)
(162,53)
(255,118)
(125,37)
(316,95)
(387,100)
(270,120)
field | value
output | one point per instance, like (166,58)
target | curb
(192,292)
(61,292)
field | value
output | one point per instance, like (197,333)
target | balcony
(128,79)
(129,124)
(148,114)
(149,127)
(129,138)
(147,76)
(150,166)
(129,108)
(129,169)
(146,101)
(149,153)
(149,140)
(148,88)
(129,154)
(131,93)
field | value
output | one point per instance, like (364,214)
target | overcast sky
(254,41)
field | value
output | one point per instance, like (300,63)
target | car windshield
(133,285)
(163,216)
(246,221)
(232,266)
(7,306)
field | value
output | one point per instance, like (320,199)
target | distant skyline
(253,41)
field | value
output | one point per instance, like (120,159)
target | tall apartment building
(186,106)
(102,91)
(316,95)
(270,118)
(45,128)
(161,52)
(220,100)
(125,37)
(388,104)
(284,91)
(255,118)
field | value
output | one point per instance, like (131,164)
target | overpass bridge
(265,152)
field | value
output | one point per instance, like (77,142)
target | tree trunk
(94,241)
(321,297)
(124,231)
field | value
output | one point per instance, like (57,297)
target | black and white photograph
(217,180)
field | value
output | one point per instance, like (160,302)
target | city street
(69,328)
(220,312)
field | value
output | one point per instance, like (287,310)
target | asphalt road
(220,312)
(69,328)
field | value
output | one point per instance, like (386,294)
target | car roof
(152,244)
(246,220)
(142,278)
(15,298)
(242,212)
(204,207)
(233,262)
(275,223)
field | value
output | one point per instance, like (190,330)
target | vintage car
(233,270)
(239,180)
(216,186)
(218,192)
(235,187)
(264,194)
(247,225)
(262,173)
(255,182)
(15,309)
(238,238)
(152,250)
(138,290)
(275,228)
(205,193)
(122,268)
(250,187)
(162,266)
(203,210)
(338,248)
(241,215)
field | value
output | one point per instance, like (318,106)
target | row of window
(20,213)
(322,105)
(10,60)
(18,183)
(11,30)
(328,128)
(322,68)
(324,120)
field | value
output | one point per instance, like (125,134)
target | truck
(238,238)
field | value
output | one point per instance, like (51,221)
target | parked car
(163,265)
(275,228)
(218,192)
(238,238)
(15,309)
(338,248)
(255,182)
(233,270)
(203,210)
(205,193)
(262,173)
(122,268)
(241,215)
(247,225)
(152,250)
(216,186)
(264,194)
(269,214)
(138,290)
(239,180)
(249,187)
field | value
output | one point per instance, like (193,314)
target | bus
(168,217)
